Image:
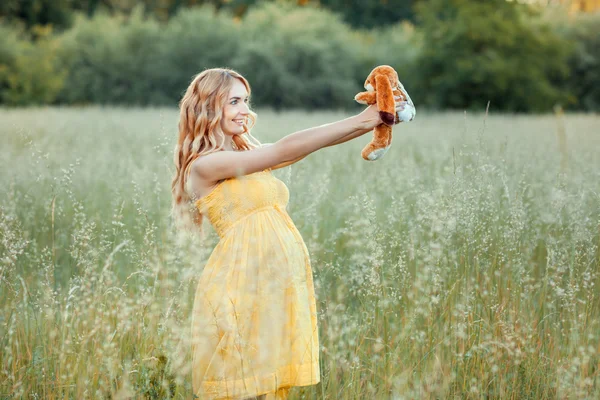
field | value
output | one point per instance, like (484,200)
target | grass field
(464,265)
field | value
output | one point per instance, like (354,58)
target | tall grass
(464,264)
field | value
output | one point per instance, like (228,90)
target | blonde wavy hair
(200,133)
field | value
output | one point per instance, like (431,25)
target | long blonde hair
(201,110)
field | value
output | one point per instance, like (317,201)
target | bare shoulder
(199,185)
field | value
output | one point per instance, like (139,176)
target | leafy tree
(28,71)
(297,57)
(58,13)
(30,13)
(372,13)
(136,60)
(491,50)
(397,45)
(583,81)
(193,40)
(112,61)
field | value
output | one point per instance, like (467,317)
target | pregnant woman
(254,321)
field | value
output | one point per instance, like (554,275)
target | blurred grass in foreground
(463,264)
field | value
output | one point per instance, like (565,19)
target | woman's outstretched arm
(346,138)
(304,142)
(349,136)
(222,165)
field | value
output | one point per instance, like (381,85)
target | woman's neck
(228,143)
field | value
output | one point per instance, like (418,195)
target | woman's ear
(385,99)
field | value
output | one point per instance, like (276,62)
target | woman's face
(236,110)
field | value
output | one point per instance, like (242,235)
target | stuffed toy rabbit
(382,85)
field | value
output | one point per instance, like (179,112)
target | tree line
(60,13)
(450,54)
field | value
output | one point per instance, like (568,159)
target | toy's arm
(366,98)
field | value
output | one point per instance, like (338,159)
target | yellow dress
(254,321)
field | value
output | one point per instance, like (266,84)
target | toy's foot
(376,154)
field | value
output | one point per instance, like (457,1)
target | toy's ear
(385,99)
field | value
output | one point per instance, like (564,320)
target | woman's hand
(370,118)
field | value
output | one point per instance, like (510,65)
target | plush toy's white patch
(409,111)
(377,154)
(406,115)
(369,87)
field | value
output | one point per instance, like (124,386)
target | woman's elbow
(284,151)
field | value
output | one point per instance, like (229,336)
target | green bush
(195,39)
(583,82)
(136,60)
(9,48)
(460,55)
(30,14)
(297,57)
(397,45)
(493,50)
(112,60)
(28,70)
(371,14)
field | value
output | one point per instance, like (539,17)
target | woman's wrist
(360,122)
(352,135)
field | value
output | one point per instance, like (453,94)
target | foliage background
(456,54)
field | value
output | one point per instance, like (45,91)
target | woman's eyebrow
(236,98)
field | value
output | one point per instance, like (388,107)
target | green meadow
(463,265)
